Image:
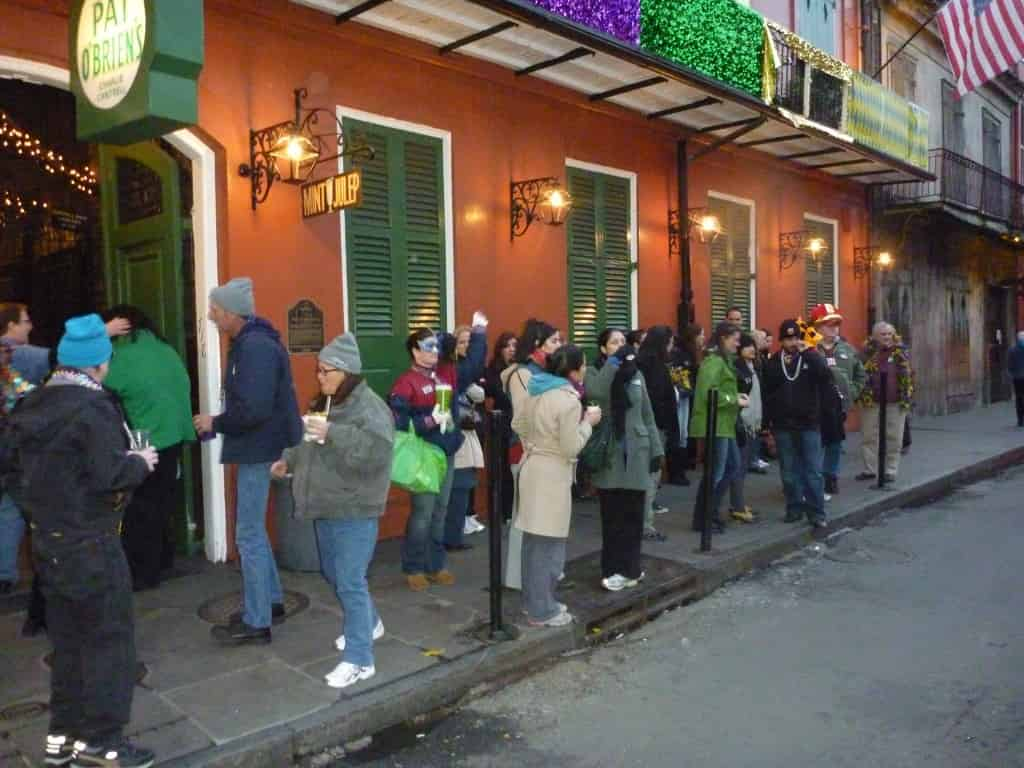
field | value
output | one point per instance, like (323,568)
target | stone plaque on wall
(305,328)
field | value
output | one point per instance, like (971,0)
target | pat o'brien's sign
(134,67)
(332,194)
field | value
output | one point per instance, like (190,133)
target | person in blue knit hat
(72,430)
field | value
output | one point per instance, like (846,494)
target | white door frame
(834,223)
(204,233)
(752,204)
(449,206)
(634,281)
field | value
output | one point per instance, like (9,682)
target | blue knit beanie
(85,343)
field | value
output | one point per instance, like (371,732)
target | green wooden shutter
(730,260)
(395,247)
(600,267)
(820,273)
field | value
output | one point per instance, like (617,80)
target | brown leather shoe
(443,577)
(417,582)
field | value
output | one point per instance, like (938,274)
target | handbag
(597,453)
(416,465)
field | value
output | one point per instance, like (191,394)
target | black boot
(830,484)
(277,614)
(241,633)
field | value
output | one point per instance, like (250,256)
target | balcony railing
(963,184)
(806,89)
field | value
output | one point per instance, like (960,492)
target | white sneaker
(562,619)
(762,464)
(659,509)
(378,633)
(473,525)
(346,674)
(634,582)
(614,583)
(828,497)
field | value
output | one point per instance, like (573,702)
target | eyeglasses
(321,371)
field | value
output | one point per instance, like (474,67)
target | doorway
(998,337)
(89,226)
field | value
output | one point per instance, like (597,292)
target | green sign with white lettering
(134,67)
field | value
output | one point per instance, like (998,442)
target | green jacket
(153,384)
(847,371)
(348,477)
(715,372)
(631,457)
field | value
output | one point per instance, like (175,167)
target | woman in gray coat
(341,475)
(635,450)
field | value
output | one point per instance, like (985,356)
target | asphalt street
(901,644)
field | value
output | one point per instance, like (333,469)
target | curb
(478,671)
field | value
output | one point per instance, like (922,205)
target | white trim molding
(836,263)
(634,282)
(752,205)
(449,205)
(204,232)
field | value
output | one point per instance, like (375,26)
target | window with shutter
(820,273)
(903,73)
(816,23)
(730,256)
(395,247)
(600,262)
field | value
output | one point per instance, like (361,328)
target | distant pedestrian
(718,371)
(620,391)
(734,315)
(341,479)
(682,368)
(74,475)
(151,380)
(1015,365)
(555,428)
(885,354)
(504,356)
(414,400)
(849,376)
(747,427)
(795,382)
(757,464)
(260,419)
(13,387)
(652,360)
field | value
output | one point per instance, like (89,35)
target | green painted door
(395,248)
(143,231)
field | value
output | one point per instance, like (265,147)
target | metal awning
(533,42)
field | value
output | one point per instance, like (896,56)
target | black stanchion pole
(883,407)
(499,433)
(709,472)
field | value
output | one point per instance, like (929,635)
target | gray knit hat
(235,296)
(343,353)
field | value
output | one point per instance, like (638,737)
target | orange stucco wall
(502,128)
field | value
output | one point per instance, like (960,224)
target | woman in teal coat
(635,449)
(149,377)
(718,371)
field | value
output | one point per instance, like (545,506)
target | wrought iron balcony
(961,184)
(803,87)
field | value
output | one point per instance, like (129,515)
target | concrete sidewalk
(201,705)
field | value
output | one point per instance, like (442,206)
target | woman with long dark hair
(652,360)
(555,428)
(635,449)
(682,369)
(747,427)
(151,380)
(504,356)
(718,371)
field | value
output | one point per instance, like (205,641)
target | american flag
(983,38)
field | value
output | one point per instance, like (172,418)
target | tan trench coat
(554,435)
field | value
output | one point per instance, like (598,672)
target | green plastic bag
(416,465)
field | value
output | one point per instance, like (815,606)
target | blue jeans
(800,459)
(346,548)
(423,548)
(458,505)
(261,586)
(683,416)
(833,457)
(12,528)
(727,466)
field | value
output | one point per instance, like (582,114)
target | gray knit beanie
(343,353)
(235,296)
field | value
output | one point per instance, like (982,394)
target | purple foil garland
(618,18)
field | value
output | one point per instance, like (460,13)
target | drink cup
(141,439)
(313,418)
(443,397)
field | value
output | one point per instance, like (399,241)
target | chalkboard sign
(305,328)
(139,192)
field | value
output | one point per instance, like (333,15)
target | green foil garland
(716,37)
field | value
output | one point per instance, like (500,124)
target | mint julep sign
(134,67)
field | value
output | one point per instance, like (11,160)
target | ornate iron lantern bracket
(706,223)
(868,256)
(793,245)
(530,196)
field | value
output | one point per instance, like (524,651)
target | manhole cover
(26,710)
(217,610)
(141,670)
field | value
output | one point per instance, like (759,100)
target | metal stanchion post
(709,472)
(498,456)
(883,407)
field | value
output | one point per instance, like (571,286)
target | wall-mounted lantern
(793,245)
(543,199)
(701,221)
(868,257)
(290,151)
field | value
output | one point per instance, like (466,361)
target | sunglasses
(429,345)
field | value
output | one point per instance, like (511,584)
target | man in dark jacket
(1015,365)
(72,431)
(260,419)
(795,382)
